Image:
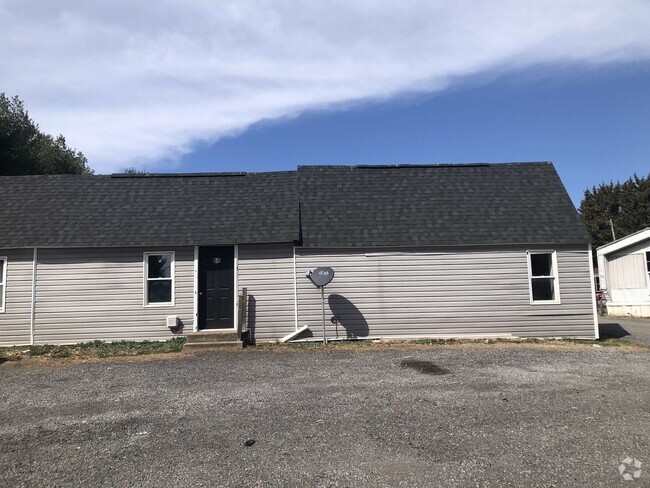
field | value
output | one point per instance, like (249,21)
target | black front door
(216,287)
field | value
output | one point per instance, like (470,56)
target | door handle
(200,293)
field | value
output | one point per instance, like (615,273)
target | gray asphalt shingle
(315,205)
(480,204)
(81,211)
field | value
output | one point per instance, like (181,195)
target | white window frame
(3,282)
(556,277)
(145,287)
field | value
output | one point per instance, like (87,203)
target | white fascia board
(624,242)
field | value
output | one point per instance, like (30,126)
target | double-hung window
(3,282)
(158,278)
(542,277)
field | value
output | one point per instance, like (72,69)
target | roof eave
(624,242)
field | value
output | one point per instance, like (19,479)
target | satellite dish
(321,276)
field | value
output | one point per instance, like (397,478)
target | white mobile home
(624,270)
(487,250)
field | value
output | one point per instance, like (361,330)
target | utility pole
(611,225)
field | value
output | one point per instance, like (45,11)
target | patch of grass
(4,357)
(341,344)
(94,349)
(40,350)
(418,343)
(609,342)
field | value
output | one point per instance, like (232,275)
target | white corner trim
(646,259)
(195,327)
(236,286)
(593,291)
(295,289)
(32,318)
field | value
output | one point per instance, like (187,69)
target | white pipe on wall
(33,310)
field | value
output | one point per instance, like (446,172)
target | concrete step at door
(220,345)
(211,336)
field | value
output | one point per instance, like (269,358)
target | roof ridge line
(178,175)
(426,165)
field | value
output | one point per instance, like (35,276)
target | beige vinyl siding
(628,271)
(627,278)
(417,293)
(97,294)
(15,322)
(88,294)
(266,270)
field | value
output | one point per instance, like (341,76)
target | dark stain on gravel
(426,367)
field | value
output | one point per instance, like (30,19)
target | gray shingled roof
(482,204)
(79,211)
(444,205)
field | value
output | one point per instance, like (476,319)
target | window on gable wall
(159,278)
(3,278)
(542,269)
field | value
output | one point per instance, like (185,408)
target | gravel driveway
(450,416)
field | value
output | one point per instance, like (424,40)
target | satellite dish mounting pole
(322,297)
(321,277)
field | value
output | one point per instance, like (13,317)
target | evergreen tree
(25,150)
(623,206)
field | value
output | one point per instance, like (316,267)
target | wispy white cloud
(136,82)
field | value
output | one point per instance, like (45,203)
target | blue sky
(592,123)
(198,85)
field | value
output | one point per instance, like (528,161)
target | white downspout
(236,283)
(195,328)
(295,289)
(33,310)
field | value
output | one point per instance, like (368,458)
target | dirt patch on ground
(48,362)
(89,351)
(383,344)
(144,352)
